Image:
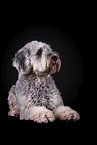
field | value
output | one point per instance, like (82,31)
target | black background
(74,26)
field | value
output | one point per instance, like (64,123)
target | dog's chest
(35,90)
(39,86)
(38,90)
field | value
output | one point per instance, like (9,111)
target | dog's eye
(39,52)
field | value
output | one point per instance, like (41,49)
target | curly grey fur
(35,95)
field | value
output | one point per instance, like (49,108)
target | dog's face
(38,58)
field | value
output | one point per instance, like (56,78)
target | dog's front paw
(14,111)
(41,114)
(66,113)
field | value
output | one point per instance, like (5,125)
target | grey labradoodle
(35,95)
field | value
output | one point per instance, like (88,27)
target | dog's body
(35,95)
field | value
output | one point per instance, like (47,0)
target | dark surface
(75,30)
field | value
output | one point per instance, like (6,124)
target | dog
(35,95)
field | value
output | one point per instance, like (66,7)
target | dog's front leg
(56,104)
(66,113)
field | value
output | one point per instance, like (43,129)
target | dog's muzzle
(54,64)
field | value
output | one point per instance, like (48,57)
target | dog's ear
(22,61)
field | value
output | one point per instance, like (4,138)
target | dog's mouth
(53,64)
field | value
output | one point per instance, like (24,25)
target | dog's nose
(54,58)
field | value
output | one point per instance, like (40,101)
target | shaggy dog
(35,95)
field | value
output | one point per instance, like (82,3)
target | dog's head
(38,58)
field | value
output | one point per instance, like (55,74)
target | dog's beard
(55,66)
(51,67)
